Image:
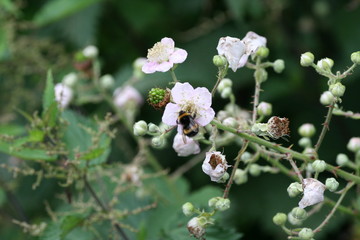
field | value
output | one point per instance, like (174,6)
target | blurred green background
(41,34)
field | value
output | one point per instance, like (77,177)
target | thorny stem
(221,74)
(256,101)
(325,126)
(237,161)
(326,220)
(278,148)
(296,169)
(103,207)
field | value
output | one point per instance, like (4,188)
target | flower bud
(226,92)
(354,144)
(224,83)
(355,57)
(90,51)
(262,52)
(306,59)
(255,169)
(70,79)
(299,213)
(304,142)
(222,204)
(306,234)
(264,109)
(196,226)
(337,89)
(137,67)
(260,75)
(280,219)
(331,184)
(325,64)
(319,165)
(219,61)
(326,98)
(294,189)
(342,159)
(279,65)
(158,142)
(310,152)
(240,176)
(212,201)
(140,128)
(153,128)
(307,130)
(224,178)
(188,209)
(107,81)
(246,156)
(230,122)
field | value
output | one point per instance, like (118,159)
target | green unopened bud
(299,213)
(310,152)
(226,92)
(212,201)
(262,52)
(337,89)
(230,122)
(326,98)
(137,67)
(140,128)
(264,109)
(90,51)
(319,165)
(304,142)
(246,156)
(354,144)
(306,234)
(325,64)
(355,57)
(224,178)
(331,184)
(107,81)
(307,130)
(224,83)
(70,79)
(306,59)
(342,159)
(158,142)
(222,204)
(280,219)
(255,169)
(294,189)
(240,176)
(279,65)
(260,75)
(294,221)
(153,128)
(188,209)
(219,61)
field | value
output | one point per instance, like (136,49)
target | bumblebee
(190,126)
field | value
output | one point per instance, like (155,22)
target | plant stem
(256,101)
(326,220)
(296,169)
(173,76)
(325,126)
(221,74)
(103,207)
(237,161)
(278,148)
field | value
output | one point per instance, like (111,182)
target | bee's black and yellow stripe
(190,127)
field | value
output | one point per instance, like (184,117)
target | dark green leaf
(12,129)
(51,115)
(25,153)
(52,232)
(49,93)
(2,197)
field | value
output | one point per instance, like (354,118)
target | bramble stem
(237,161)
(296,169)
(256,101)
(103,207)
(221,74)
(278,148)
(326,220)
(173,76)
(325,126)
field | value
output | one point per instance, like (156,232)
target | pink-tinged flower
(187,147)
(214,165)
(233,49)
(313,192)
(63,94)
(162,56)
(195,101)
(127,94)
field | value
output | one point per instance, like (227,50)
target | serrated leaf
(52,232)
(49,93)
(70,222)
(51,114)
(59,9)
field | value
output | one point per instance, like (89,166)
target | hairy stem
(325,127)
(237,161)
(256,101)
(173,76)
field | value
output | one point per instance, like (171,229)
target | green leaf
(59,9)
(49,93)
(70,222)
(51,114)
(52,232)
(4,45)
(12,129)
(78,140)
(25,153)
(2,197)
(8,6)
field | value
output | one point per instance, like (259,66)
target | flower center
(159,53)
(215,160)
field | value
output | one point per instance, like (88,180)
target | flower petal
(181,92)
(202,97)
(178,56)
(243,60)
(232,49)
(171,114)
(149,67)
(205,116)
(169,42)
(164,66)
(187,148)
